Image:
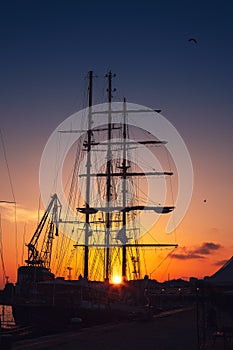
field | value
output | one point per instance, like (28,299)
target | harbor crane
(52,217)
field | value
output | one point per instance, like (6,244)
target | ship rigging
(108,203)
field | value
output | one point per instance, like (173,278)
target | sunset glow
(116,279)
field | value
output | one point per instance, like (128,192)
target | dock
(168,331)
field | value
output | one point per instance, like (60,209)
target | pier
(167,331)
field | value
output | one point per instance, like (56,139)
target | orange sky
(204,236)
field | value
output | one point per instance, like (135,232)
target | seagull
(193,40)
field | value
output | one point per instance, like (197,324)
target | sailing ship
(106,223)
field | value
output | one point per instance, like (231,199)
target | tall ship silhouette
(97,243)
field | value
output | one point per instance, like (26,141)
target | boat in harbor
(108,191)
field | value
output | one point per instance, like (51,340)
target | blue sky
(47,48)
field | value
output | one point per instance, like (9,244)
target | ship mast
(124,176)
(88,166)
(108,176)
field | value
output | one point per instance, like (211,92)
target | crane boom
(43,258)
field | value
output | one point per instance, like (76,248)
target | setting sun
(116,279)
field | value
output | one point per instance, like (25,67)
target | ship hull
(99,304)
(43,317)
(52,317)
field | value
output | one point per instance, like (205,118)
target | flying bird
(193,40)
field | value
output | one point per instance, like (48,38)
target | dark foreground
(168,332)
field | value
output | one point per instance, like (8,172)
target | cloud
(221,262)
(207,248)
(188,255)
(9,212)
(184,253)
